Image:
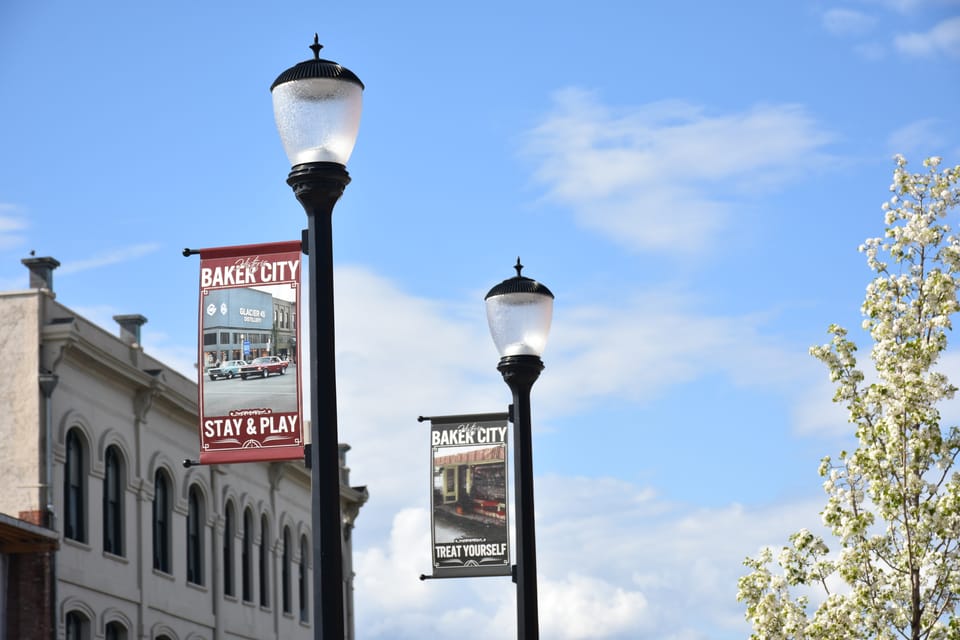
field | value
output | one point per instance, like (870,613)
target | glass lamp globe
(519,311)
(317,105)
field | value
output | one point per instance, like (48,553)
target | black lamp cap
(519,284)
(316,68)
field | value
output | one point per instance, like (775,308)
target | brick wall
(29,591)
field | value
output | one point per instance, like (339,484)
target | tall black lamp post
(317,106)
(519,311)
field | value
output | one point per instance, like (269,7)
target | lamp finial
(518,266)
(316,46)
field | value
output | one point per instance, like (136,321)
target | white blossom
(893,504)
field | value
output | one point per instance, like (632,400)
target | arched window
(246,556)
(115,631)
(285,573)
(302,581)
(264,562)
(161,521)
(229,534)
(75,489)
(113,483)
(78,626)
(195,518)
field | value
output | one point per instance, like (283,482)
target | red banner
(250,383)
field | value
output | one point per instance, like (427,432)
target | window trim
(285,600)
(161,515)
(195,536)
(75,487)
(229,540)
(264,561)
(77,625)
(303,582)
(114,481)
(246,557)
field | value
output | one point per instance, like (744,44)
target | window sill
(83,546)
(115,557)
(197,586)
(160,573)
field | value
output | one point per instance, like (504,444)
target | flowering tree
(893,504)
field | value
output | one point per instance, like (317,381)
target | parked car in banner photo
(263,366)
(227,370)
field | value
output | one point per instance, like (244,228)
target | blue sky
(692,181)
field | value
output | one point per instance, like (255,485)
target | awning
(19,536)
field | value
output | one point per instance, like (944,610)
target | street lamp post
(519,311)
(317,106)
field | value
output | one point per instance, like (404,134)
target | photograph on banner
(469,520)
(249,387)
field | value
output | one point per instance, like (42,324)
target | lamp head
(317,105)
(519,311)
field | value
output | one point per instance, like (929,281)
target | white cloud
(658,340)
(11,226)
(847,22)
(116,256)
(614,562)
(921,137)
(943,38)
(579,607)
(870,50)
(163,347)
(437,358)
(649,177)
(909,6)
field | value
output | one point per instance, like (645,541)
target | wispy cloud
(649,176)
(636,361)
(921,138)
(847,22)
(942,39)
(124,254)
(909,6)
(11,226)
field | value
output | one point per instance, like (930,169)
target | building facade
(96,433)
(244,323)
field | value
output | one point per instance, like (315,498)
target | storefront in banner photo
(249,386)
(469,506)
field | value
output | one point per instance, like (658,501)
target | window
(161,522)
(264,563)
(195,536)
(302,581)
(209,339)
(78,627)
(246,556)
(113,484)
(285,573)
(116,631)
(229,533)
(224,337)
(75,489)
